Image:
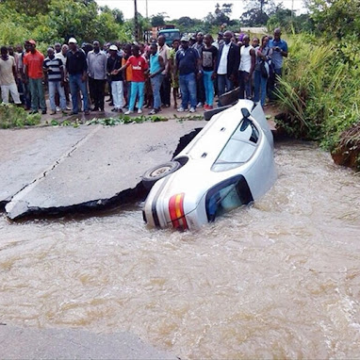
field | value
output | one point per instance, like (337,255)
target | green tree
(253,17)
(186,22)
(158,20)
(335,17)
(29,7)
(117,14)
(223,13)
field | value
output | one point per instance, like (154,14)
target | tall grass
(319,91)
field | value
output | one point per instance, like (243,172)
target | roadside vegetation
(320,93)
(16,117)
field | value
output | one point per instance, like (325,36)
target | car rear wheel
(158,172)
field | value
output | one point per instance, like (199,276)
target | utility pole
(136,22)
(147,15)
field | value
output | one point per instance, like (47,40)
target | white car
(228,164)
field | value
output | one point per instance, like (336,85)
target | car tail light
(176,211)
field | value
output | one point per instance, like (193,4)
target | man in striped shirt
(54,68)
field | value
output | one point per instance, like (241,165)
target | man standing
(246,68)
(7,77)
(54,69)
(174,72)
(62,56)
(138,65)
(33,62)
(219,41)
(188,63)
(165,91)
(208,58)
(114,62)
(20,75)
(157,65)
(227,64)
(200,95)
(279,49)
(57,48)
(96,61)
(76,67)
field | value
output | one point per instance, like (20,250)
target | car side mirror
(245,122)
(245,113)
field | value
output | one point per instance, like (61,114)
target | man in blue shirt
(188,64)
(279,51)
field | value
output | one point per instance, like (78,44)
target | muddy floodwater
(277,279)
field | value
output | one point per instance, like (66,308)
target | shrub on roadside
(320,92)
(16,117)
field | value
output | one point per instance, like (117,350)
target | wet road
(278,279)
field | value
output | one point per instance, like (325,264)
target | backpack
(264,69)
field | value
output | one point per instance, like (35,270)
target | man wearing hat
(114,63)
(188,63)
(76,66)
(33,67)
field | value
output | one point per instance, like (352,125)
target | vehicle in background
(170,35)
(230,163)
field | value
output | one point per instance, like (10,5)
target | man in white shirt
(227,64)
(246,68)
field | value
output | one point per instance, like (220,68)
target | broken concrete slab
(27,153)
(28,343)
(102,170)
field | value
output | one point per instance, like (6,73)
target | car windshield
(240,147)
(171,35)
(227,196)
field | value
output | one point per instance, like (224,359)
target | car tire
(158,172)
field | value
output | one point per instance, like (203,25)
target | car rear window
(226,196)
(240,147)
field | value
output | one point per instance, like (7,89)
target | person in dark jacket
(76,67)
(227,64)
(117,81)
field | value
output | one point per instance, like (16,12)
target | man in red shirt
(33,63)
(138,65)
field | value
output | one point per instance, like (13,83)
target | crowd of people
(137,76)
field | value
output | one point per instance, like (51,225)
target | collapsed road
(47,171)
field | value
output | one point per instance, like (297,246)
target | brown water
(279,279)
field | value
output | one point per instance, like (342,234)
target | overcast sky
(178,8)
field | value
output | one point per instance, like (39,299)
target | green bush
(320,90)
(16,117)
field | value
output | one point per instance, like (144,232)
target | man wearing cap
(76,66)
(96,61)
(33,64)
(114,63)
(54,69)
(188,63)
